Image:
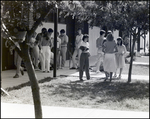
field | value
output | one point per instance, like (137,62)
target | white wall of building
(93,35)
(48,25)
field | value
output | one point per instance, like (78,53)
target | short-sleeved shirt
(64,40)
(109,46)
(78,41)
(85,44)
(99,44)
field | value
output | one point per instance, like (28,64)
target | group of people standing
(44,49)
(110,54)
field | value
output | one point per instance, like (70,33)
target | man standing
(77,50)
(99,44)
(64,42)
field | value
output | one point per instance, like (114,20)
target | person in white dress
(120,56)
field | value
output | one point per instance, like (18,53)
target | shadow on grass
(28,84)
(109,91)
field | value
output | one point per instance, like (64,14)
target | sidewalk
(9,110)
(102,75)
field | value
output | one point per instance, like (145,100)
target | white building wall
(93,35)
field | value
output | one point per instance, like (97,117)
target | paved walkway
(9,110)
(9,81)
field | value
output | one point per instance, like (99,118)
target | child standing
(84,58)
(120,58)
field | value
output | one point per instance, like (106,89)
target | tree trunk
(33,80)
(34,87)
(131,60)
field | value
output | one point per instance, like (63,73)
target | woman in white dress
(120,56)
(110,48)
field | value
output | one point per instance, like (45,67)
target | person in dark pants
(84,58)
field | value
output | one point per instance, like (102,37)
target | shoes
(16,76)
(81,79)
(106,78)
(119,77)
(37,69)
(97,71)
(43,71)
(115,76)
(48,71)
(88,79)
(22,72)
(72,68)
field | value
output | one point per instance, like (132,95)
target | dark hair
(102,32)
(44,29)
(120,40)
(110,37)
(79,29)
(50,30)
(62,31)
(85,36)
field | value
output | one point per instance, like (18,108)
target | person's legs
(115,75)
(36,56)
(74,58)
(47,58)
(111,73)
(120,73)
(43,58)
(79,54)
(87,67)
(63,51)
(81,69)
(18,65)
(58,58)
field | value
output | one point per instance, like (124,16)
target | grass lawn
(95,93)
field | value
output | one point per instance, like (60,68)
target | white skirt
(120,60)
(110,63)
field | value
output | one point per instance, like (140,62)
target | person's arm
(66,39)
(116,49)
(104,47)
(125,50)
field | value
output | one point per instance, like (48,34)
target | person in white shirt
(84,58)
(77,51)
(99,43)
(64,43)
(58,50)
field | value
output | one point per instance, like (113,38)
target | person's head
(85,38)
(102,33)
(34,34)
(119,41)
(62,31)
(109,32)
(110,37)
(79,31)
(50,31)
(44,31)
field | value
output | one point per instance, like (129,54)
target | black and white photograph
(74,59)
